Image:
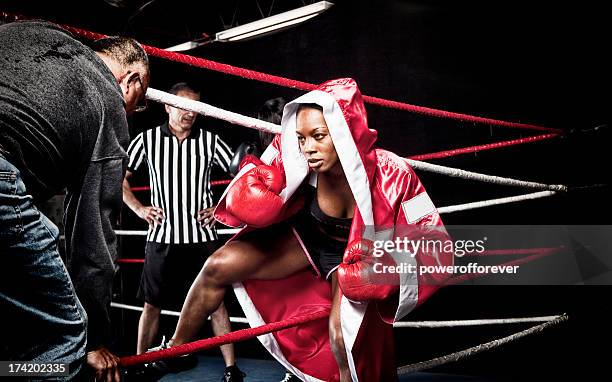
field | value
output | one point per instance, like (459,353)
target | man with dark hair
(63,126)
(181,234)
(124,50)
(119,53)
(271,111)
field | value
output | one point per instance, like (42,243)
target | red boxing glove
(254,198)
(248,159)
(359,276)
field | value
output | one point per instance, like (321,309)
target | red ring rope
(489,146)
(207,343)
(520,251)
(130,261)
(491,252)
(470,276)
(286,82)
(220,182)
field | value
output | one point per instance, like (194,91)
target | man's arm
(90,211)
(221,157)
(150,214)
(223,154)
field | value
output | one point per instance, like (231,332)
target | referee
(181,227)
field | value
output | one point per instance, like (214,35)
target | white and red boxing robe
(390,202)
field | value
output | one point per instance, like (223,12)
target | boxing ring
(536,190)
(543,190)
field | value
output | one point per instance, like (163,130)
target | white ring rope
(495,202)
(254,123)
(126,232)
(441,210)
(469,175)
(454,357)
(463,323)
(228,231)
(399,324)
(240,320)
(211,111)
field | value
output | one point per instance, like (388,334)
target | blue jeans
(43,318)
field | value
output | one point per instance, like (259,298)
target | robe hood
(346,118)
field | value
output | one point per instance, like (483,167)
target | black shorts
(169,271)
(326,253)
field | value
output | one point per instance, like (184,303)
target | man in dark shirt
(63,125)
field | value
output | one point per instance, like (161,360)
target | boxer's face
(315,141)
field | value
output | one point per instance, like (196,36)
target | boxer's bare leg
(266,255)
(335,333)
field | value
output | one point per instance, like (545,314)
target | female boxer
(313,207)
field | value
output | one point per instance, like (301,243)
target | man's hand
(105,365)
(205,217)
(152,215)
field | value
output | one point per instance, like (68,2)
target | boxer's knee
(217,269)
(220,313)
(151,309)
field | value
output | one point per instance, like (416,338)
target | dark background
(538,62)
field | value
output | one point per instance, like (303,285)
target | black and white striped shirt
(179,176)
